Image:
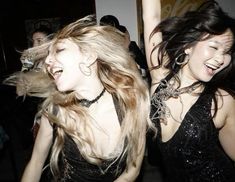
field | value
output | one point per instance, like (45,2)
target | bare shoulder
(225,98)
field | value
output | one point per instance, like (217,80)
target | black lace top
(74,168)
(194,153)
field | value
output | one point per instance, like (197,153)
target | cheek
(66,59)
(201,54)
(194,66)
(207,52)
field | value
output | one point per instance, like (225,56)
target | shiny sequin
(194,154)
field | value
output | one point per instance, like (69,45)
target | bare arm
(41,149)
(133,171)
(227,132)
(151,18)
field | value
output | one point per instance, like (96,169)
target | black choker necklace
(88,103)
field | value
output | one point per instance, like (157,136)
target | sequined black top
(194,154)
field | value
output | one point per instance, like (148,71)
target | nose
(49,60)
(219,58)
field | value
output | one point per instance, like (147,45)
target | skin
(39,38)
(40,152)
(62,63)
(206,59)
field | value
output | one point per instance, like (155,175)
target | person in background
(191,59)
(109,20)
(95,113)
(134,49)
(39,36)
(34,61)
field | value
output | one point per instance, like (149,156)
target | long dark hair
(180,33)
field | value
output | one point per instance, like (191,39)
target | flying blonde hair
(119,75)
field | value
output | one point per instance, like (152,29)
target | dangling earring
(85,69)
(183,62)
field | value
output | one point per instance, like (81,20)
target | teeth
(212,66)
(54,71)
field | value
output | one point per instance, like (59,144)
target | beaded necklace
(88,103)
(167,90)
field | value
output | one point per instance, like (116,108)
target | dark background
(17,114)
(14,13)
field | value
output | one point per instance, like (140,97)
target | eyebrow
(223,45)
(215,41)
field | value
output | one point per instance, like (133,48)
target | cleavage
(177,110)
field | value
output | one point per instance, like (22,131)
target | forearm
(132,173)
(32,172)
(151,10)
(40,152)
(152,18)
(129,176)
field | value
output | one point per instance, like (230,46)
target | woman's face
(63,65)
(209,57)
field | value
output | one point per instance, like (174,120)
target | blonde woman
(95,114)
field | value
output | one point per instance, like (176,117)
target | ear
(91,59)
(188,51)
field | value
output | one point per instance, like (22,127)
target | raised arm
(151,18)
(41,149)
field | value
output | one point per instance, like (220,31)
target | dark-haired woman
(192,104)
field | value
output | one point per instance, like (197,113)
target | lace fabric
(73,167)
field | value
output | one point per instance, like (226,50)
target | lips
(55,72)
(211,68)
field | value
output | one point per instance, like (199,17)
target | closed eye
(58,50)
(214,47)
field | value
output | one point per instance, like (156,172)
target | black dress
(194,153)
(74,168)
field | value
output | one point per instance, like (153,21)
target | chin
(206,79)
(62,89)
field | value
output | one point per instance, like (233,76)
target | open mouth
(56,72)
(211,68)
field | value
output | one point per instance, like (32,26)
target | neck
(90,88)
(88,102)
(185,80)
(90,92)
